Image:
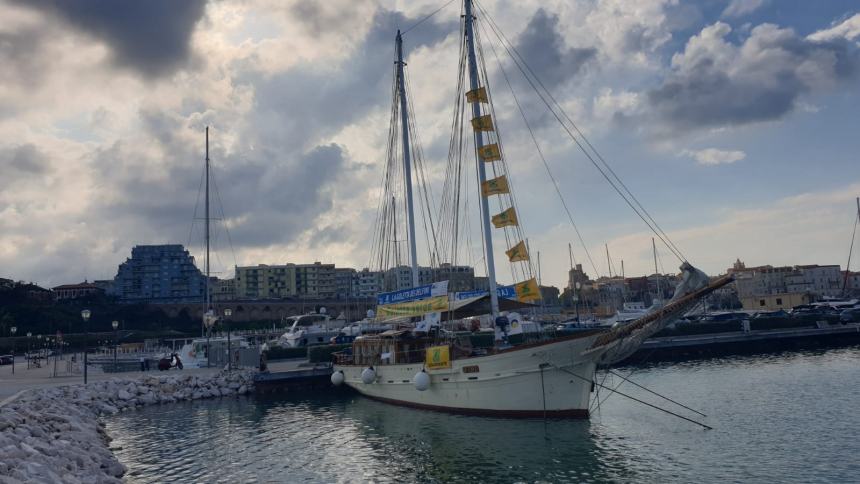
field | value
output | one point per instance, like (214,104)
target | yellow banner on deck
(438,357)
(412,308)
(478,95)
(527,290)
(496,186)
(506,218)
(490,153)
(483,123)
(518,252)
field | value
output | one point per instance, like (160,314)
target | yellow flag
(478,95)
(506,218)
(482,123)
(496,186)
(438,357)
(527,290)
(490,152)
(518,252)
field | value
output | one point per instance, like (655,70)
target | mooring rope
(643,402)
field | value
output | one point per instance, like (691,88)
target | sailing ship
(425,366)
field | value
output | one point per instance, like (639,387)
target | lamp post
(227,313)
(13,330)
(576,287)
(208,321)
(29,348)
(85,314)
(115,325)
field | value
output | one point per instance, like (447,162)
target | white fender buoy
(368,376)
(421,381)
(337,378)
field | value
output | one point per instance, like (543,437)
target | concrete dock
(740,342)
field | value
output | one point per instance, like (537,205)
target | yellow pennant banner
(506,218)
(518,252)
(478,95)
(412,308)
(490,153)
(527,290)
(438,357)
(496,186)
(482,123)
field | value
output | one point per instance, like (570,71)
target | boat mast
(850,250)
(482,174)
(656,271)
(206,300)
(407,168)
(207,296)
(608,261)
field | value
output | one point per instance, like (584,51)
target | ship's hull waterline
(534,381)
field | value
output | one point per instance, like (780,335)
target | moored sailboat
(425,367)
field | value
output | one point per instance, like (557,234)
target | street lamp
(115,325)
(29,348)
(576,287)
(85,314)
(13,330)
(209,319)
(227,313)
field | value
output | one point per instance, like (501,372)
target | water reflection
(776,418)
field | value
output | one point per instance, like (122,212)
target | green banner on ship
(412,308)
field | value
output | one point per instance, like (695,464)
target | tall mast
(482,174)
(851,249)
(608,261)
(656,271)
(407,162)
(570,255)
(206,296)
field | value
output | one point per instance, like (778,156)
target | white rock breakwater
(55,435)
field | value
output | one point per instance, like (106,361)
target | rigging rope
(643,402)
(552,105)
(416,24)
(543,159)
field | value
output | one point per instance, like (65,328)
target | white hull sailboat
(552,378)
(427,367)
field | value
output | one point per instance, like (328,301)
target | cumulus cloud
(544,48)
(714,156)
(739,8)
(847,29)
(714,83)
(152,37)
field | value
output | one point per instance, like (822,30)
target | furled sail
(623,341)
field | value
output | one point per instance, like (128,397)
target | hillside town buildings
(783,287)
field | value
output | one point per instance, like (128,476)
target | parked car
(770,314)
(850,315)
(5,359)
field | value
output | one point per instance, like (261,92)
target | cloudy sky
(734,122)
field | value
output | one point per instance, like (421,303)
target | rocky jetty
(55,434)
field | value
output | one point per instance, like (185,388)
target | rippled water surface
(793,417)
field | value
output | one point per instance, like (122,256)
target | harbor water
(788,417)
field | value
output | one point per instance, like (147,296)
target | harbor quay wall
(56,434)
